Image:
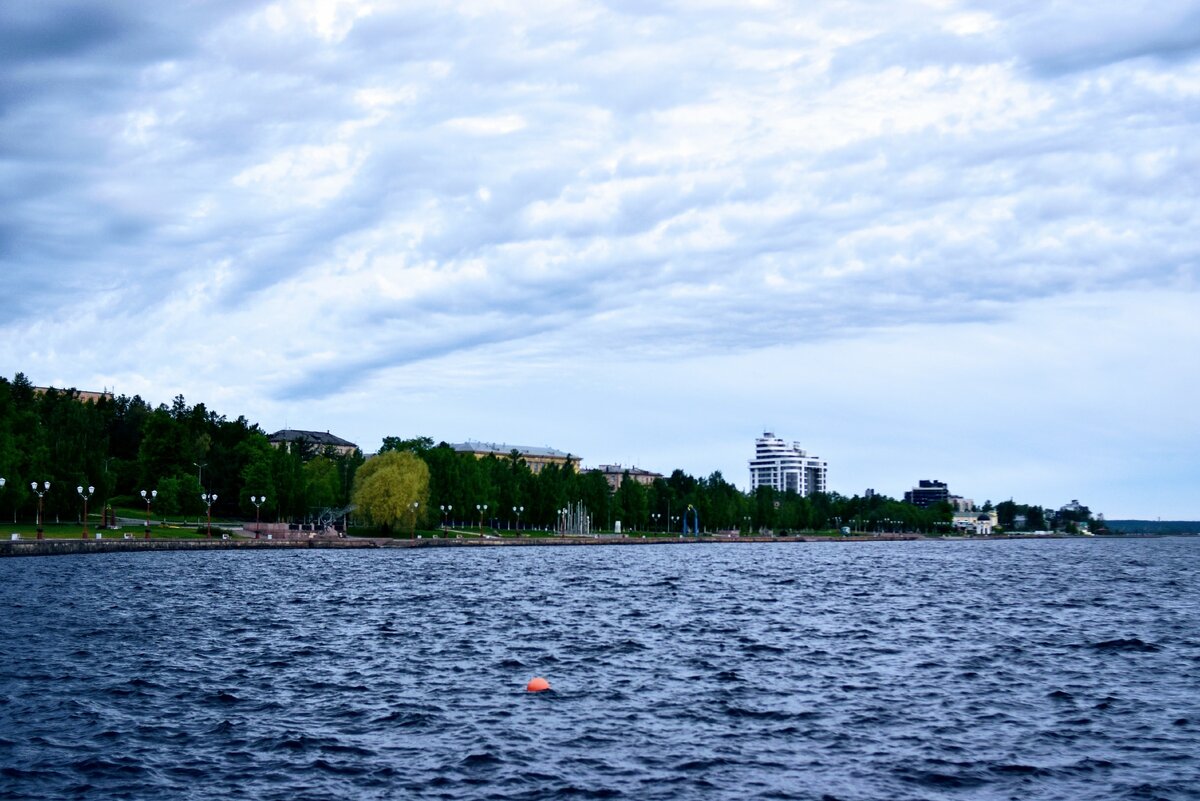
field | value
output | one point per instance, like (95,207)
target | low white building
(979,523)
(786,467)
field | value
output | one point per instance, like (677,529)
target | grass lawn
(74,531)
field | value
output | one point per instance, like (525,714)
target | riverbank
(70,547)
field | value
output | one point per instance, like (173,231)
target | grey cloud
(45,31)
(1061,38)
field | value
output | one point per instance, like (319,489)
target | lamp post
(40,493)
(258,501)
(443,508)
(655,516)
(148,497)
(209,499)
(414,506)
(517,510)
(746,518)
(85,496)
(481,509)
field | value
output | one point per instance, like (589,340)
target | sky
(936,239)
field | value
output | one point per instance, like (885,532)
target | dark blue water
(982,670)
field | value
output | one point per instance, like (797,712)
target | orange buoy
(537,685)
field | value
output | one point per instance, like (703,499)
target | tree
(418,445)
(632,503)
(321,482)
(386,487)
(257,479)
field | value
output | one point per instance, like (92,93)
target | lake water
(1059,669)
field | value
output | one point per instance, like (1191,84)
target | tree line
(457,487)
(123,445)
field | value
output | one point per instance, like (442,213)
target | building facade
(614,474)
(786,467)
(81,395)
(927,493)
(536,458)
(289,438)
(978,523)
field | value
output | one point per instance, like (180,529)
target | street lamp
(148,497)
(258,501)
(209,498)
(443,508)
(415,504)
(655,516)
(481,509)
(40,493)
(746,518)
(518,510)
(85,496)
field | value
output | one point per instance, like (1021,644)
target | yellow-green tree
(392,489)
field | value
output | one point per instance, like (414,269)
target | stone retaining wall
(63,547)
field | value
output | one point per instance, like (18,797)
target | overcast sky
(931,239)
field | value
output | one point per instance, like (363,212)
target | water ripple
(989,670)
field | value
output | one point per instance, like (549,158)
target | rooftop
(504,449)
(616,469)
(314,437)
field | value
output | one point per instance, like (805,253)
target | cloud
(1057,38)
(306,198)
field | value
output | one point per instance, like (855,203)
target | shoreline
(18,548)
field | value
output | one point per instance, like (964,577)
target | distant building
(979,523)
(82,395)
(962,504)
(290,438)
(614,474)
(927,493)
(786,467)
(536,458)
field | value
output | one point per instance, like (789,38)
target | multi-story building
(311,441)
(962,504)
(786,467)
(536,458)
(927,493)
(81,395)
(615,474)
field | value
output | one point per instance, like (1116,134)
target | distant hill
(1154,526)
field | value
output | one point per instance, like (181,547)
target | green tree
(387,487)
(632,503)
(418,445)
(167,502)
(257,478)
(321,482)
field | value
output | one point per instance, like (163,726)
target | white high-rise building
(786,467)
